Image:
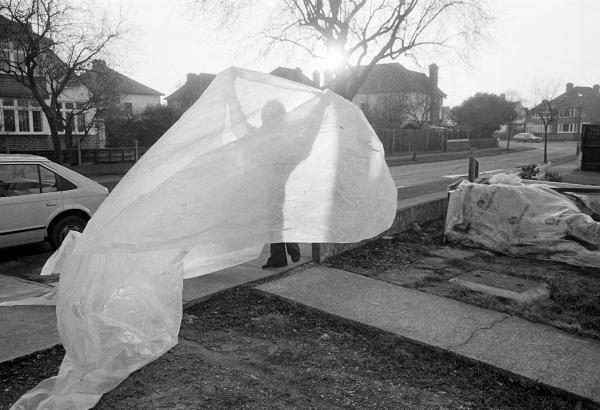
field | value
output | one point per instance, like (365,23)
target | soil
(418,259)
(243,349)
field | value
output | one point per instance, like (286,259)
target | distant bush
(146,128)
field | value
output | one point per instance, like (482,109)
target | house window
(23,120)
(567,112)
(567,127)
(77,119)
(22,117)
(37,121)
(128,108)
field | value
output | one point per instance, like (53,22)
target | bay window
(20,116)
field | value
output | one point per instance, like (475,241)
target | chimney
(433,76)
(316,79)
(596,88)
(190,77)
(569,88)
(436,101)
(99,65)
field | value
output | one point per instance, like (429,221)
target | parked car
(41,200)
(526,137)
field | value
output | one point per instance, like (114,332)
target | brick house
(23,125)
(575,107)
(133,97)
(196,84)
(395,97)
(187,94)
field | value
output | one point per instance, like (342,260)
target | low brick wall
(483,143)
(119,168)
(419,213)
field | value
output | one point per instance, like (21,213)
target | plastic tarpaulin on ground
(531,221)
(257,159)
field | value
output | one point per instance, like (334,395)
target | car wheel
(62,227)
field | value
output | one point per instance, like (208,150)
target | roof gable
(294,74)
(393,77)
(193,88)
(100,73)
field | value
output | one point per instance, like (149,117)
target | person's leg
(293,250)
(278,257)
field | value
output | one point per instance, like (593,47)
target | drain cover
(497,280)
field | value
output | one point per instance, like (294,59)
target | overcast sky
(531,44)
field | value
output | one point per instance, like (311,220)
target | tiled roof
(125,84)
(11,88)
(294,74)
(590,102)
(193,87)
(393,77)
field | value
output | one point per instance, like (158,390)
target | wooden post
(78,151)
(473,166)
(393,140)
(137,152)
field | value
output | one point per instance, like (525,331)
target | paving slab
(26,330)
(12,288)
(538,352)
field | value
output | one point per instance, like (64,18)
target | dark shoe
(271,264)
(294,251)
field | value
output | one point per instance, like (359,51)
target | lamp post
(579,115)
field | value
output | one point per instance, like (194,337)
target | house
(395,97)
(575,107)
(517,125)
(132,97)
(24,126)
(294,74)
(196,84)
(187,94)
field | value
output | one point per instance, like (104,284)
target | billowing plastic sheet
(257,159)
(531,221)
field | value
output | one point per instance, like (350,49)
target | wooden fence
(96,155)
(396,141)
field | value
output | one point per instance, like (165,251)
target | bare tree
(357,34)
(546,110)
(417,110)
(49,45)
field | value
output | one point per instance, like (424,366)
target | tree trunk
(545,144)
(55,141)
(508,136)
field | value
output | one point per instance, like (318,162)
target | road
(412,180)
(418,179)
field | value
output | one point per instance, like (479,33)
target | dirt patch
(244,350)
(573,305)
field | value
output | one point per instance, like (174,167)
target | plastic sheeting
(523,220)
(257,159)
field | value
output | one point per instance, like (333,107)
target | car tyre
(61,228)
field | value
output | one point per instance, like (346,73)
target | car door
(29,198)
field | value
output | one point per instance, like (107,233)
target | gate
(590,147)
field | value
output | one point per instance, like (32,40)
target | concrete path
(538,352)
(29,329)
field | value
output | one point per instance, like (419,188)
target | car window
(49,180)
(65,184)
(19,179)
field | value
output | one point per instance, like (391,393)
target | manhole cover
(497,280)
